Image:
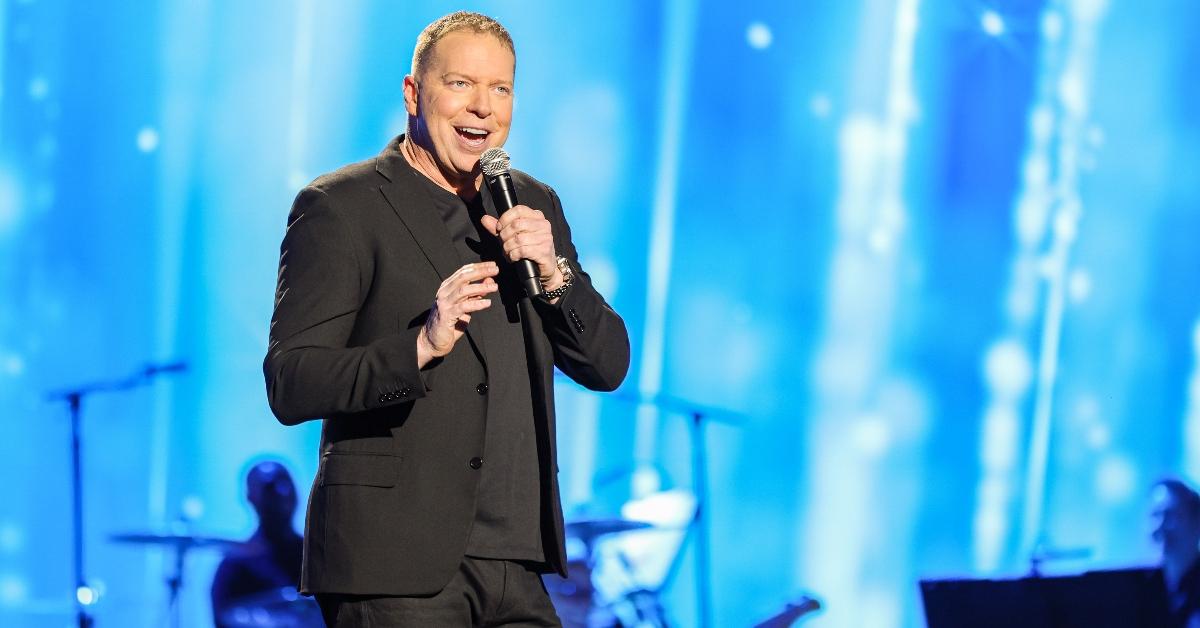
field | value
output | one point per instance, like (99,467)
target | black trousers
(482,593)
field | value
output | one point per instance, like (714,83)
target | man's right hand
(459,295)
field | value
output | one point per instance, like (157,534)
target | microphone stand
(699,525)
(74,398)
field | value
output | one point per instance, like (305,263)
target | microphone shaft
(504,194)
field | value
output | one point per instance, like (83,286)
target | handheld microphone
(494,164)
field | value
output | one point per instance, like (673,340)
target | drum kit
(615,573)
(617,567)
(276,608)
(579,602)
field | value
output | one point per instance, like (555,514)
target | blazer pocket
(360,469)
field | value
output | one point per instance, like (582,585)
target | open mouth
(471,136)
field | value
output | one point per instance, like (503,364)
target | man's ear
(410,94)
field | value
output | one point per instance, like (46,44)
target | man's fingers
(466,275)
(525,225)
(474,272)
(471,290)
(520,213)
(491,224)
(528,247)
(474,305)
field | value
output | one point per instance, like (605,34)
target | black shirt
(508,503)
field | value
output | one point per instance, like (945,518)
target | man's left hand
(525,234)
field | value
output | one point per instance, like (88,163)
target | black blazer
(394,497)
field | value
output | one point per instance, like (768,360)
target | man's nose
(480,103)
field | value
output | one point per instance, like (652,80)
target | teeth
(473,130)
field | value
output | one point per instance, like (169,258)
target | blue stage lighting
(992,23)
(759,36)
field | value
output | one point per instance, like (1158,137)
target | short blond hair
(458,21)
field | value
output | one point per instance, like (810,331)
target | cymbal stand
(700,520)
(175,584)
(697,528)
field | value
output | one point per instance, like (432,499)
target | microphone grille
(494,162)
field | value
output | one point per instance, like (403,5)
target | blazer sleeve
(591,344)
(310,369)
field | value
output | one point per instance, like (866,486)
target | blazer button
(475,462)
(481,389)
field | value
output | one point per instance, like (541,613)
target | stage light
(86,595)
(872,436)
(1191,422)
(193,508)
(13,590)
(12,538)
(1098,436)
(854,438)
(10,205)
(1008,368)
(1079,286)
(147,139)
(1087,10)
(992,23)
(1052,26)
(1041,123)
(1072,92)
(758,35)
(1116,479)
(820,105)
(39,88)
(1037,170)
(1001,431)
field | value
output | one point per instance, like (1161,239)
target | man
(399,322)
(1175,514)
(259,573)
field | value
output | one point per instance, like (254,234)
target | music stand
(1120,598)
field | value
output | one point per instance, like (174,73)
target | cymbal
(183,541)
(588,530)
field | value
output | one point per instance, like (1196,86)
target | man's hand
(459,295)
(525,234)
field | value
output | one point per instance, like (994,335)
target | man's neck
(421,159)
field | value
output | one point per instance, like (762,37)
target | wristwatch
(568,275)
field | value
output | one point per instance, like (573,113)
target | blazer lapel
(422,221)
(426,226)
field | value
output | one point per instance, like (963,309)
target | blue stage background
(928,267)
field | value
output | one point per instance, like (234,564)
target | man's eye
(458,84)
(507,91)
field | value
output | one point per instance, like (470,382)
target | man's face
(1175,529)
(462,102)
